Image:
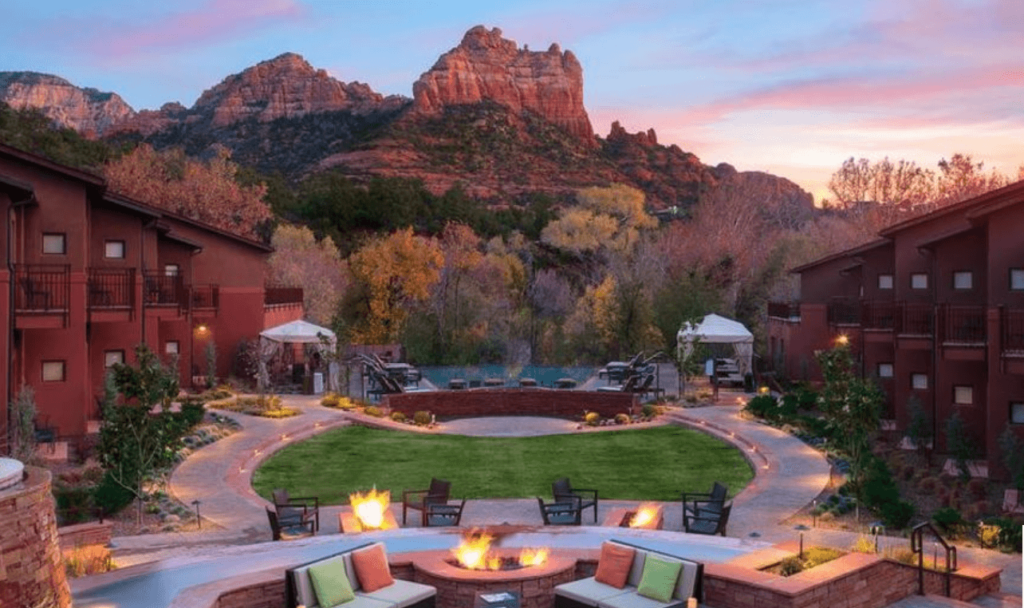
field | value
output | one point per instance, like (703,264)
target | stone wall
(81,535)
(513,402)
(31,567)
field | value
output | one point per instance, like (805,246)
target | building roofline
(84,176)
(127,203)
(176,237)
(977,203)
(17,186)
(842,254)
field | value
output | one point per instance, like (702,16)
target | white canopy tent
(719,330)
(298,332)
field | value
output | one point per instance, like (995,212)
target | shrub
(927,485)
(331,400)
(909,471)
(373,410)
(90,559)
(192,412)
(283,412)
(73,504)
(622,418)
(897,514)
(864,544)
(988,535)
(976,510)
(948,519)
(1009,532)
(978,488)
(422,417)
(815,556)
(762,406)
(827,516)
(398,416)
(592,418)
(110,496)
(790,566)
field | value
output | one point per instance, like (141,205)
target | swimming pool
(545,375)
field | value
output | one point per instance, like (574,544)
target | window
(171,270)
(112,357)
(172,347)
(114,250)
(53,371)
(963,279)
(1017,279)
(885,281)
(919,382)
(885,370)
(55,243)
(919,280)
(963,395)
(1017,413)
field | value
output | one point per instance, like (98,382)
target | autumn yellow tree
(205,191)
(609,218)
(299,260)
(390,275)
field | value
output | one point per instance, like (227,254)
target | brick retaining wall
(81,535)
(513,402)
(31,566)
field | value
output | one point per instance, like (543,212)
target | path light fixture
(199,520)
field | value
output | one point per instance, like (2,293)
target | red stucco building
(89,274)
(933,309)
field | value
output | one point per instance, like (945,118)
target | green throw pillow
(659,579)
(331,583)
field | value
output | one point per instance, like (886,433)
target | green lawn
(654,463)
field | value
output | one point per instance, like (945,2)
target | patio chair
(694,502)
(563,491)
(706,522)
(560,513)
(438,514)
(292,509)
(437,493)
(280,530)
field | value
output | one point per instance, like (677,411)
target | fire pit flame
(645,514)
(533,557)
(370,507)
(475,553)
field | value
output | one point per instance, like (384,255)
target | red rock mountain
(86,110)
(487,67)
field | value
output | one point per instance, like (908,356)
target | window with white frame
(171,270)
(53,371)
(1017,413)
(885,370)
(113,250)
(885,281)
(963,279)
(919,280)
(172,347)
(963,395)
(1017,279)
(113,357)
(919,382)
(55,243)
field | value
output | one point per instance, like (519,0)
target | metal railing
(963,324)
(784,310)
(205,297)
(1011,329)
(844,311)
(163,290)
(42,288)
(915,318)
(112,288)
(878,315)
(273,296)
(917,546)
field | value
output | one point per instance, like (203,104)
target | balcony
(844,312)
(963,332)
(204,298)
(288,296)
(41,295)
(878,315)
(789,311)
(111,294)
(164,295)
(1011,340)
(915,319)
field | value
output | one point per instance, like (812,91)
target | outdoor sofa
(590,593)
(300,586)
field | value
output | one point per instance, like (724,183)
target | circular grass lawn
(643,464)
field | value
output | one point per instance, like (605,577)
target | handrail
(917,547)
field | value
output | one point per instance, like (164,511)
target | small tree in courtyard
(140,434)
(919,430)
(960,445)
(24,445)
(1013,456)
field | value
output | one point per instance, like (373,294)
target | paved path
(789,475)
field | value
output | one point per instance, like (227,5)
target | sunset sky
(793,87)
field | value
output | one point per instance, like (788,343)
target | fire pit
(476,552)
(370,511)
(648,516)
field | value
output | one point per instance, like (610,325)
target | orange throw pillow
(613,567)
(371,566)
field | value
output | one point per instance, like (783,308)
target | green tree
(1012,449)
(960,445)
(140,434)
(919,430)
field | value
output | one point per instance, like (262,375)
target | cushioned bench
(590,592)
(371,582)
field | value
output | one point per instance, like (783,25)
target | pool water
(545,375)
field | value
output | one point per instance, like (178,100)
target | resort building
(90,274)
(934,310)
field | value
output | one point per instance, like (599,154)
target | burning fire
(475,553)
(370,507)
(645,514)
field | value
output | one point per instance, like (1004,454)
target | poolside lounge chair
(438,514)
(560,513)
(706,522)
(563,491)
(418,500)
(281,530)
(291,510)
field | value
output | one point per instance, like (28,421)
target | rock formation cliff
(86,110)
(487,67)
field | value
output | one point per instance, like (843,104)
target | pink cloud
(213,21)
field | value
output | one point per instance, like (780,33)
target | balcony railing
(205,297)
(112,288)
(915,319)
(878,315)
(162,290)
(274,296)
(784,310)
(843,311)
(1011,329)
(42,288)
(963,324)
